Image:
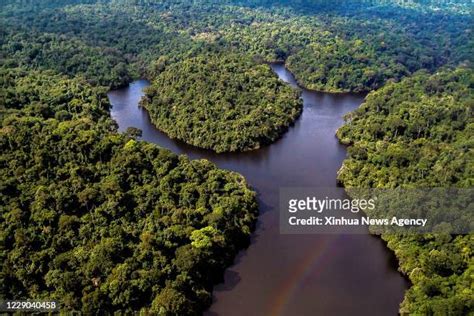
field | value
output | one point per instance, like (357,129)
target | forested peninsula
(99,221)
(418,133)
(224,102)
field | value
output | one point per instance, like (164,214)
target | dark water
(290,274)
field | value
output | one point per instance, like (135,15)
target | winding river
(290,274)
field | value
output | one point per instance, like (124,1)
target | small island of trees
(224,102)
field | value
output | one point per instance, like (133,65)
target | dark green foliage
(329,48)
(363,52)
(453,6)
(48,95)
(419,133)
(356,50)
(224,102)
(102,222)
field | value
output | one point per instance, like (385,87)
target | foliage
(329,48)
(99,221)
(418,133)
(224,102)
(71,187)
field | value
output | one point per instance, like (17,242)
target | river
(290,274)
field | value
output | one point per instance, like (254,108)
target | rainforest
(205,100)
(97,217)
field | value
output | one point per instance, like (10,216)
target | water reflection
(290,274)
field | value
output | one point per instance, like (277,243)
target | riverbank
(290,274)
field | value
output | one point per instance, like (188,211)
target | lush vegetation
(328,48)
(161,227)
(102,222)
(224,102)
(452,6)
(345,47)
(412,134)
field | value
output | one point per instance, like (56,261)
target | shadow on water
(290,274)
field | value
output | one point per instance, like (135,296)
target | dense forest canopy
(336,51)
(225,102)
(162,228)
(419,134)
(407,132)
(327,50)
(102,222)
(452,6)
